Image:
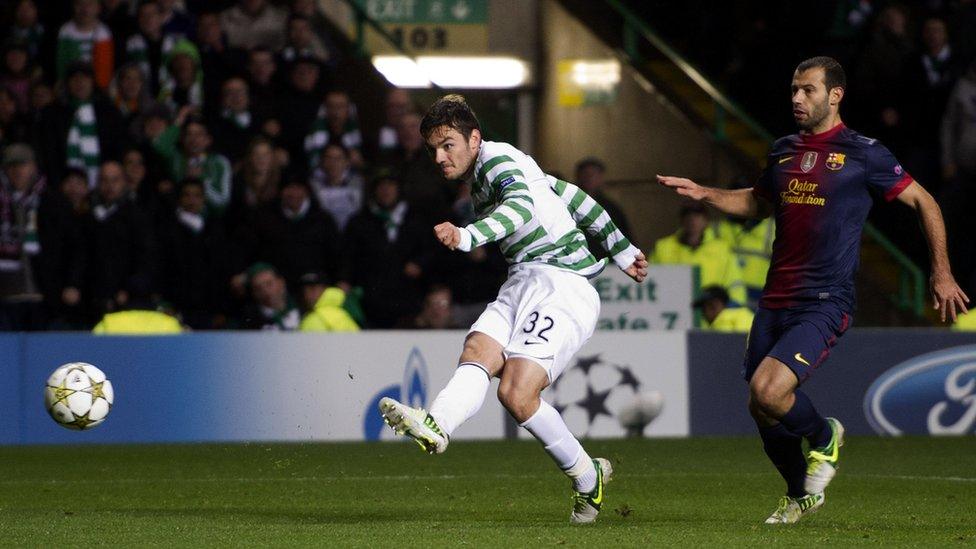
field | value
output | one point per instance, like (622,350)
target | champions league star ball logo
(595,396)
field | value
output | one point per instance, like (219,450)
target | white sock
(548,427)
(462,397)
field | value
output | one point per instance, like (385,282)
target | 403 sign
(661,302)
(429,26)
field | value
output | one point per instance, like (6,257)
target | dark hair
(834,75)
(335,144)
(451,111)
(590,162)
(191,182)
(260,49)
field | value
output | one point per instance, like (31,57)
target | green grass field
(699,492)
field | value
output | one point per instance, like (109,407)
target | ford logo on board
(934,393)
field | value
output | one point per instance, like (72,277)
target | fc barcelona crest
(808,161)
(835,161)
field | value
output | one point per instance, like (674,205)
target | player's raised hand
(638,269)
(948,296)
(683,186)
(448,234)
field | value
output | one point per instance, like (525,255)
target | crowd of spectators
(198,157)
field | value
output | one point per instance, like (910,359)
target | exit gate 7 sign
(429,26)
(661,302)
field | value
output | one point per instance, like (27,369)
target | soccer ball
(640,412)
(78,396)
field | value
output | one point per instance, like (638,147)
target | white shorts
(543,313)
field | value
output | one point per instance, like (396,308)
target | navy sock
(804,420)
(785,450)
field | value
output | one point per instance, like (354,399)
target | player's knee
(487,353)
(519,401)
(766,398)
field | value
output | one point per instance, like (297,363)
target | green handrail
(362,20)
(634,23)
(912,299)
(911,291)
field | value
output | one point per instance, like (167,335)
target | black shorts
(800,337)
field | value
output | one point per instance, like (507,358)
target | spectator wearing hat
(325,305)
(719,314)
(181,82)
(119,242)
(82,129)
(337,186)
(254,23)
(39,247)
(270,306)
(194,253)
(294,234)
(387,252)
(86,39)
(692,244)
(591,177)
(185,148)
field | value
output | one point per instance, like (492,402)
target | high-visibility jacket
(716,263)
(328,314)
(752,246)
(733,319)
(137,322)
(965,323)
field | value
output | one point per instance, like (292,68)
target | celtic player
(544,312)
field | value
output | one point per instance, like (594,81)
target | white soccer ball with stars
(78,396)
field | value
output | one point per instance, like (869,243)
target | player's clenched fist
(448,234)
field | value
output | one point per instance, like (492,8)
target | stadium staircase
(891,288)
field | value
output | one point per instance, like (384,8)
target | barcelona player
(820,184)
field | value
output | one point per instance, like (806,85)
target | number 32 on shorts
(541,323)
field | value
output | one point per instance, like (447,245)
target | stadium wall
(302,387)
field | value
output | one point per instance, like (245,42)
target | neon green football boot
(791,510)
(587,506)
(415,423)
(822,462)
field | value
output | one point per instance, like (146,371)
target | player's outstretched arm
(593,219)
(948,297)
(737,202)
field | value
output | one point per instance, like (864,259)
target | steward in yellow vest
(718,315)
(693,245)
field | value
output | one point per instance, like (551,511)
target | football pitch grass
(691,492)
